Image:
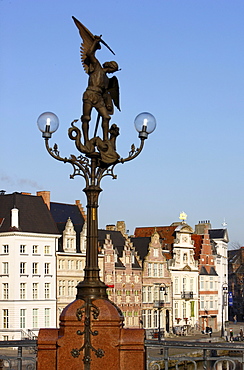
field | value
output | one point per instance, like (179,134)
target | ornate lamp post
(224,304)
(96,159)
(160,304)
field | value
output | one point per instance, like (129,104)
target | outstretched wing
(88,39)
(113,89)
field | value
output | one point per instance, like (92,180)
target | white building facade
(184,274)
(27,267)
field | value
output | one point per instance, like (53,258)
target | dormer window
(155,252)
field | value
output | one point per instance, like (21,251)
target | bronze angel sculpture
(101,93)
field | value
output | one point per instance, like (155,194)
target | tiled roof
(34,216)
(166,233)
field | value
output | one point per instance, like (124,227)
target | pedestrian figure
(226,335)
(231,335)
(210,332)
(241,334)
(235,320)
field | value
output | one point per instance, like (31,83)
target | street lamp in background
(224,304)
(96,159)
(160,304)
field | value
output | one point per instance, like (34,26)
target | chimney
(121,227)
(200,227)
(111,227)
(45,196)
(15,218)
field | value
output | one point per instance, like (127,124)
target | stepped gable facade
(208,285)
(219,242)
(122,272)
(156,282)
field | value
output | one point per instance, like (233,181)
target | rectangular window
(5,290)
(144,319)
(61,287)
(47,317)
(5,319)
(191,285)
(35,290)
(22,249)
(47,268)
(160,270)
(22,290)
(211,283)
(34,268)
(202,282)
(155,269)
(149,294)
(155,319)
(155,252)
(176,285)
(47,290)
(149,269)
(184,309)
(22,318)
(176,311)
(211,305)
(22,267)
(5,249)
(184,285)
(71,288)
(35,249)
(202,303)
(35,317)
(47,249)
(144,294)
(149,318)
(5,268)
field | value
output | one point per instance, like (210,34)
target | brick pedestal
(123,348)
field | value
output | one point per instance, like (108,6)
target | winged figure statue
(102,92)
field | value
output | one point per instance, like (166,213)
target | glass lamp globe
(47,123)
(145,123)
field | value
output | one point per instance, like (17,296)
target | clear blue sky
(181,60)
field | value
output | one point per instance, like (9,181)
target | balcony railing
(187,295)
(158,304)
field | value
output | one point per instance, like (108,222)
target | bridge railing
(15,360)
(167,354)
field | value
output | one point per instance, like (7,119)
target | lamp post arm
(133,153)
(80,164)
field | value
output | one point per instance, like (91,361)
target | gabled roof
(203,271)
(117,238)
(141,245)
(34,216)
(213,271)
(218,234)
(61,212)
